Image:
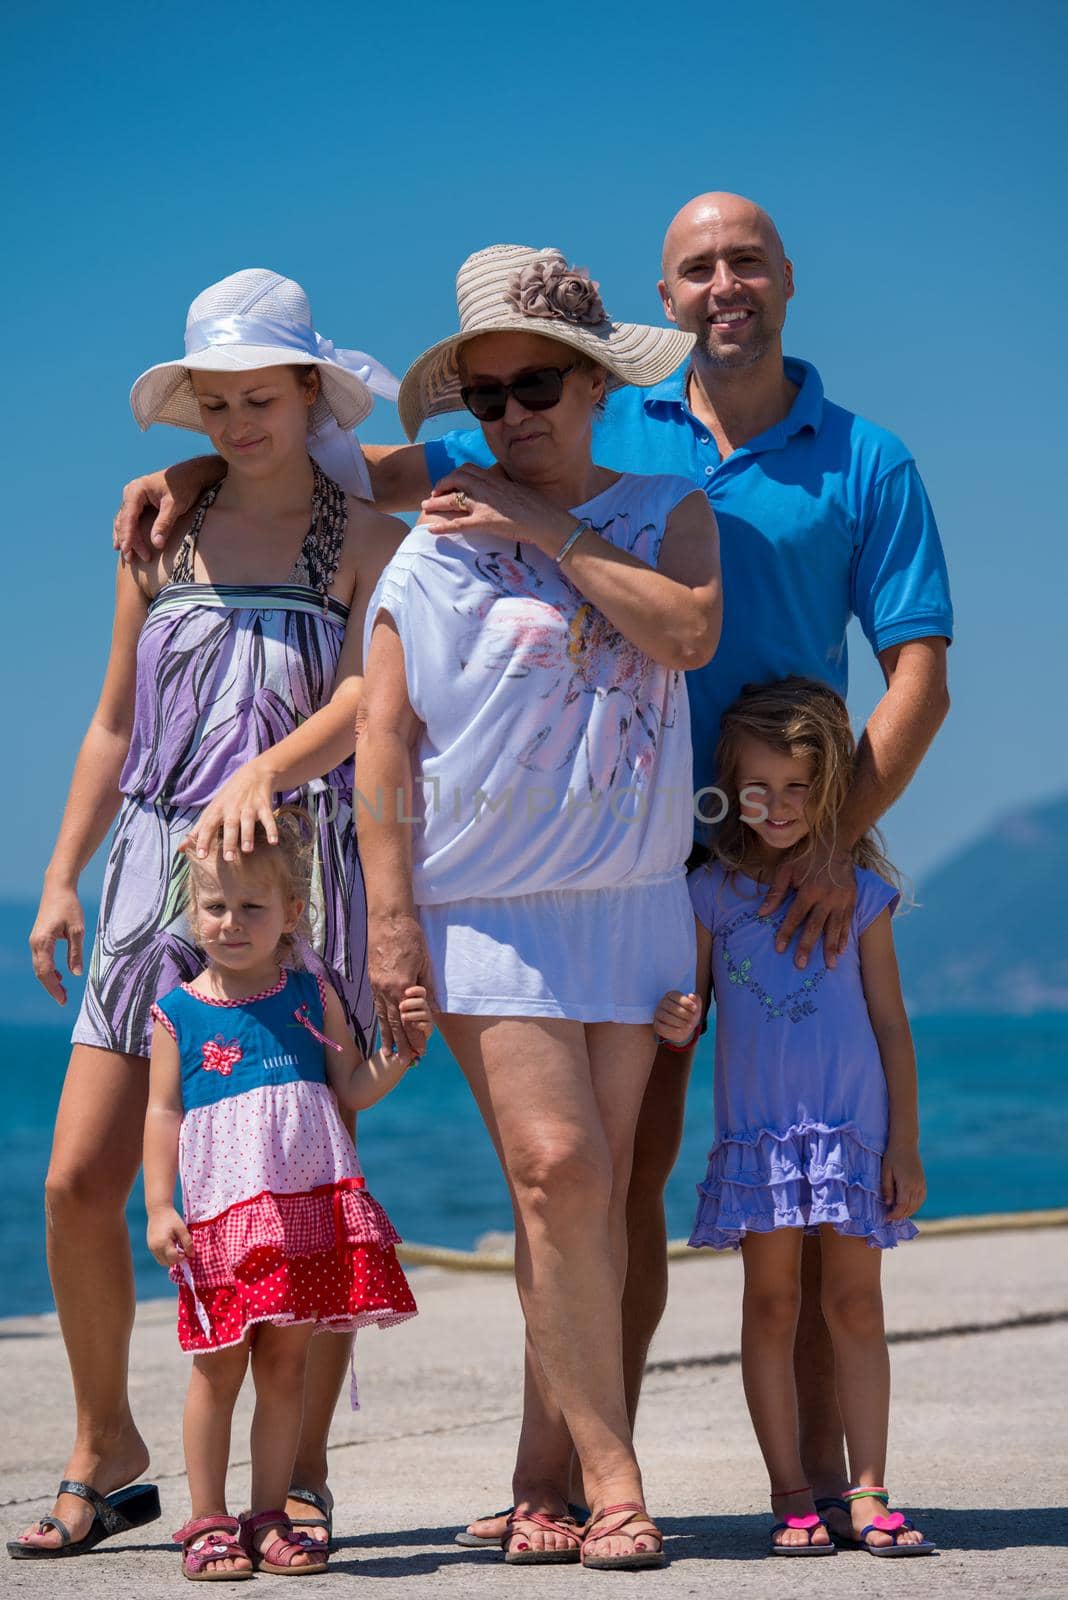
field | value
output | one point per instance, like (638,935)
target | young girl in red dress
(280,1238)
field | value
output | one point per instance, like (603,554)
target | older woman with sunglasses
(525,774)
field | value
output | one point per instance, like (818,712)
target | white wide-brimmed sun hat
(254,319)
(511,288)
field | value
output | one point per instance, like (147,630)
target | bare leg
(544,1442)
(214,1385)
(545,1457)
(328,1366)
(819,1419)
(96,1153)
(656,1147)
(279,1363)
(566,1135)
(853,1307)
(769,1322)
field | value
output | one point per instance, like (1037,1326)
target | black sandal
(311,1497)
(117,1512)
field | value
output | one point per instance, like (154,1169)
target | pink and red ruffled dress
(284,1229)
(802,1112)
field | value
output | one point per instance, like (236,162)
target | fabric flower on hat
(550,288)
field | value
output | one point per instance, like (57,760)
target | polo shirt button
(709,471)
(705,439)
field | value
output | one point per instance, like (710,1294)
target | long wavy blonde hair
(803,718)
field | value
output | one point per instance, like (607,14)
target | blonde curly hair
(290,863)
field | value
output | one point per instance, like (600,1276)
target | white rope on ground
(430,1255)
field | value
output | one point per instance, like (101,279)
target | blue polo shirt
(821,518)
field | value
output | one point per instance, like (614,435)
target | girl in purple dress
(234,678)
(815,1092)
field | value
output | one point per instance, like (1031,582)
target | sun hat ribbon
(290,336)
(377,377)
(249,330)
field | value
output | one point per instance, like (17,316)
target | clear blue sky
(912,154)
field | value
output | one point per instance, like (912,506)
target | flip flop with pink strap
(280,1556)
(207,1539)
(809,1525)
(894,1524)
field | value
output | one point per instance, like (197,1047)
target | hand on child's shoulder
(677,1017)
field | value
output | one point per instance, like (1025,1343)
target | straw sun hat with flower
(511,288)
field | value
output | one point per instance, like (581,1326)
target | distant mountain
(988,933)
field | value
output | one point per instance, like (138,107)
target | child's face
(778,785)
(254,419)
(241,914)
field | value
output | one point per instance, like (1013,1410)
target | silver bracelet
(585,526)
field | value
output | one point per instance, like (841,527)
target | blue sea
(994,1119)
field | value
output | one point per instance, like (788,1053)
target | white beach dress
(553,809)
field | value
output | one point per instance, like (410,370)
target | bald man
(822,517)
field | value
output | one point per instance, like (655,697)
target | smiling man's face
(726,279)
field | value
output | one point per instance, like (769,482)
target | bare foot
(797,1505)
(124,1461)
(489,1527)
(865,1511)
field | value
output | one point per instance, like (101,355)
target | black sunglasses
(535,391)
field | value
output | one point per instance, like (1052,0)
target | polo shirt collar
(805,413)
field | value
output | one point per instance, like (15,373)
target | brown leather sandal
(600,1526)
(541,1558)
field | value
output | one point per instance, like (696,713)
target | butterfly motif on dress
(221,1056)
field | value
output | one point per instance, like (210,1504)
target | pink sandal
(207,1539)
(280,1555)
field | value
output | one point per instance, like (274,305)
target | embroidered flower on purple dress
(550,288)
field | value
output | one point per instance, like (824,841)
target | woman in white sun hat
(234,678)
(525,656)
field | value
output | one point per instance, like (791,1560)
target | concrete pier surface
(977,1455)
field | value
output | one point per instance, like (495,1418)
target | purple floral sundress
(224,672)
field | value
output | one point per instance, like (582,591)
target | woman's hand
(903,1183)
(168,1237)
(244,800)
(677,1017)
(59,916)
(399,970)
(472,497)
